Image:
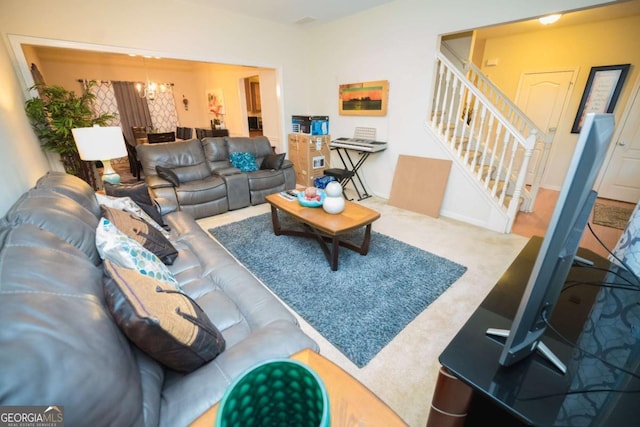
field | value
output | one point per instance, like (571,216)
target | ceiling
(299,12)
(305,12)
(615,11)
(291,11)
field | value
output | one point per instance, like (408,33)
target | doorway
(621,176)
(254,105)
(542,96)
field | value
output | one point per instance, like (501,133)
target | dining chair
(139,131)
(154,138)
(203,133)
(134,164)
(184,132)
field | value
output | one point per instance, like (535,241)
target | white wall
(398,42)
(21,160)
(394,42)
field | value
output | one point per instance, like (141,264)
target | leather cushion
(273,161)
(168,174)
(142,232)
(58,341)
(194,172)
(139,193)
(266,180)
(202,191)
(71,186)
(166,324)
(59,214)
(215,149)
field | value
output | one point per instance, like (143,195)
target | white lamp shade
(99,143)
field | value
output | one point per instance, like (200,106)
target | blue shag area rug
(361,307)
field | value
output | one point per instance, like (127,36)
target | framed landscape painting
(364,99)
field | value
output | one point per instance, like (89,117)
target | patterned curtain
(163,111)
(123,100)
(105,102)
(134,111)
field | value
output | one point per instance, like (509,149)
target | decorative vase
(280,392)
(333,202)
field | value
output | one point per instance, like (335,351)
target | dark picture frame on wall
(601,92)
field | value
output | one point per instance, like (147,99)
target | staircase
(489,137)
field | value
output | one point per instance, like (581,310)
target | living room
(311,62)
(401,141)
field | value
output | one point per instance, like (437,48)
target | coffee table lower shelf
(350,402)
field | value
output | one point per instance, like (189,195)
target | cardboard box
(310,125)
(310,156)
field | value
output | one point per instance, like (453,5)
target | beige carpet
(611,216)
(404,373)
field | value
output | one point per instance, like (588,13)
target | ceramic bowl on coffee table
(313,203)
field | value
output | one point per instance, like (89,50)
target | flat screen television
(559,246)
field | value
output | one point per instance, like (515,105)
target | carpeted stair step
(461,142)
(473,155)
(486,170)
(507,200)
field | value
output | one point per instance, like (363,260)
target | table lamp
(101,143)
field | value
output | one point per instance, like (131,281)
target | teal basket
(280,392)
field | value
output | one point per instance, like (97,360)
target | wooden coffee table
(350,402)
(325,227)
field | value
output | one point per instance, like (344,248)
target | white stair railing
(485,141)
(519,120)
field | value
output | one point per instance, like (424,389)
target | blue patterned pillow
(122,250)
(246,162)
(628,247)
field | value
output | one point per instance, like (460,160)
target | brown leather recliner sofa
(198,177)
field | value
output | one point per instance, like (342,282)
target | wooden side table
(350,402)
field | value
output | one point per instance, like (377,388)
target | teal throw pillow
(246,162)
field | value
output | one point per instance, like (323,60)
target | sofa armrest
(154,181)
(165,206)
(286,164)
(227,171)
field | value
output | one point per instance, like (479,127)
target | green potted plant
(53,114)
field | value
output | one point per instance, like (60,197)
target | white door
(542,97)
(621,177)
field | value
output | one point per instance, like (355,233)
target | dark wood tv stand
(473,388)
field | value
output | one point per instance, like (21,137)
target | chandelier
(150,89)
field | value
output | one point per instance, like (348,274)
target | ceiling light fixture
(305,20)
(550,19)
(150,89)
